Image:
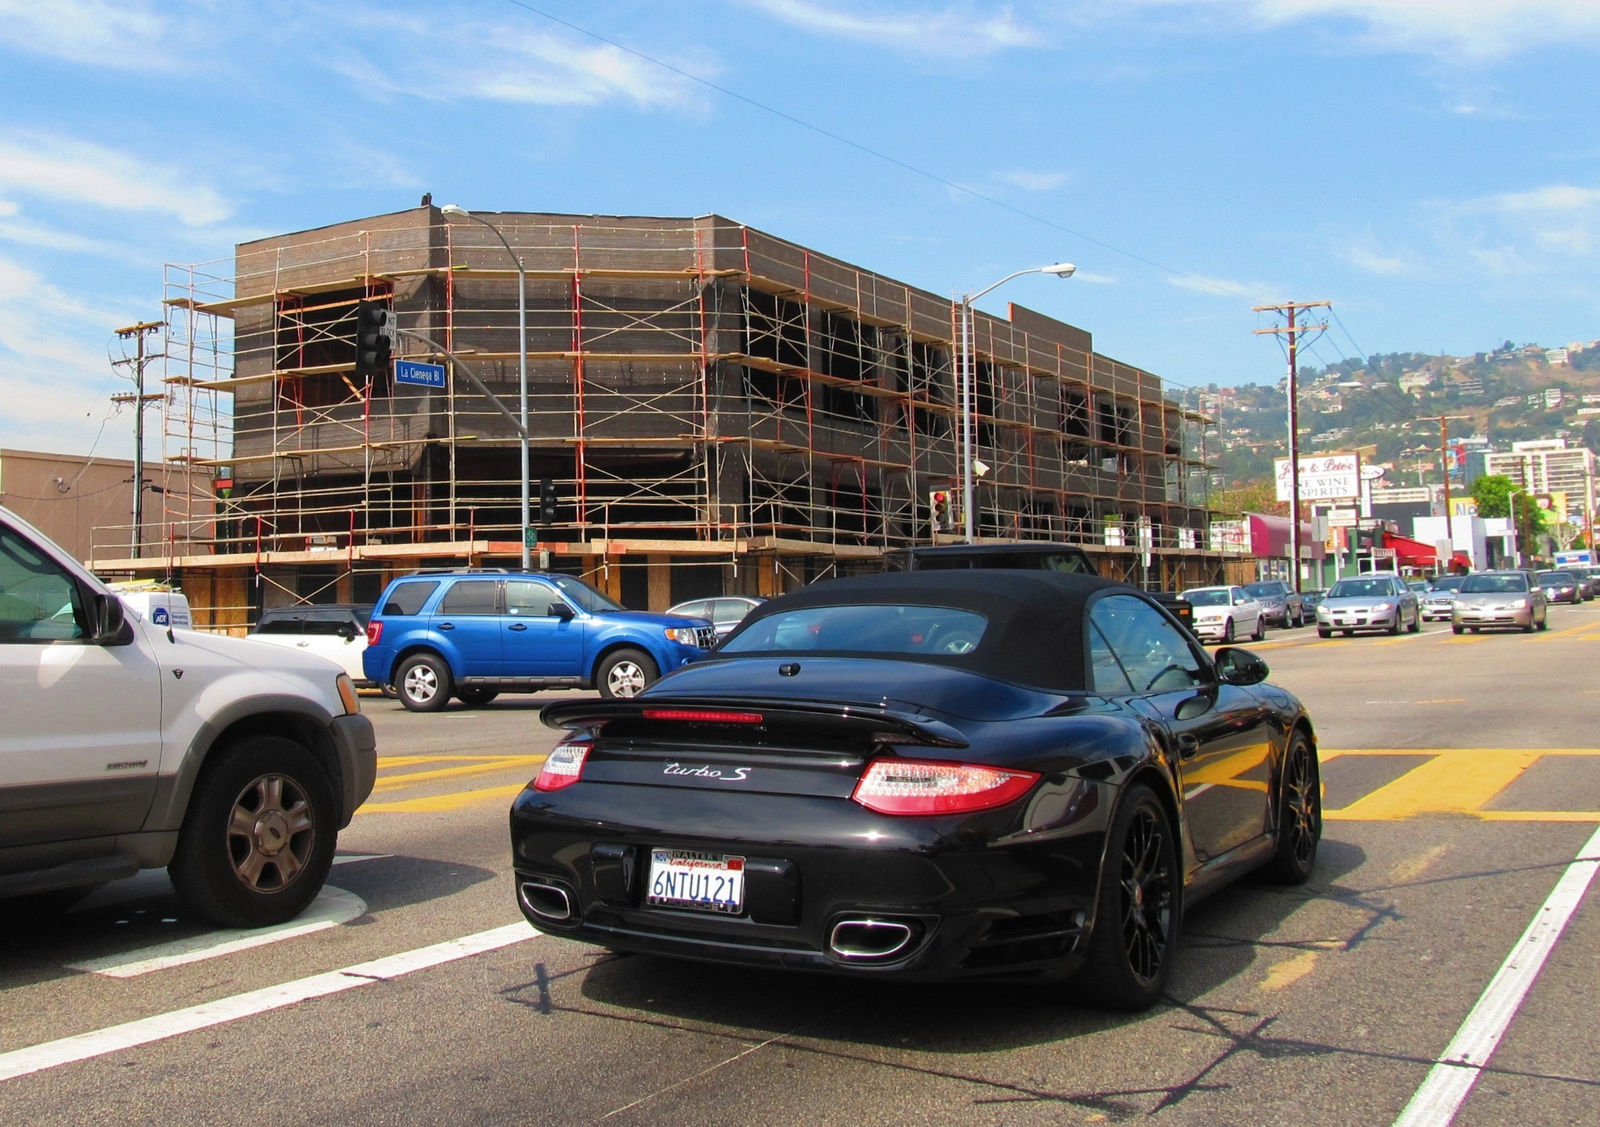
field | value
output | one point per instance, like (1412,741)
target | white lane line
(1450,1080)
(348,858)
(332,907)
(84,1046)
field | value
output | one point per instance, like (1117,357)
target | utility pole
(1294,332)
(138,399)
(1444,465)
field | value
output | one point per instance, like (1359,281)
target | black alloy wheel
(1299,814)
(1139,909)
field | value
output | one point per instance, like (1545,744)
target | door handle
(447,626)
(519,627)
(1188,745)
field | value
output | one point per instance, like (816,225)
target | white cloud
(63,168)
(1035,181)
(1224,287)
(960,31)
(1092,279)
(1373,262)
(451,59)
(123,35)
(1456,29)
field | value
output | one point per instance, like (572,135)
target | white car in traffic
(1221,614)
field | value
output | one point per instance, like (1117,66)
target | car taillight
(703,716)
(563,766)
(374,632)
(914,786)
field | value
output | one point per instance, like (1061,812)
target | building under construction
(720,411)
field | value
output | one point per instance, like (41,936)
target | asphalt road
(1461,782)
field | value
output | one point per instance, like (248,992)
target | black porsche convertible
(933,775)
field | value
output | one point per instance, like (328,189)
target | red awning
(1414,553)
(1269,538)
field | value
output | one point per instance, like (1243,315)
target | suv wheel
(259,835)
(624,674)
(476,698)
(424,683)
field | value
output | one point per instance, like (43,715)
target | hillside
(1508,395)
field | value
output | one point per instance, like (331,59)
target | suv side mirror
(109,617)
(559,609)
(1239,667)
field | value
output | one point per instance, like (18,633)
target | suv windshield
(1494,584)
(1264,590)
(587,598)
(867,629)
(1361,589)
(1216,598)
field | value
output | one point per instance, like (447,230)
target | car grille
(705,636)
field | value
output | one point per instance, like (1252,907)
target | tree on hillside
(1254,497)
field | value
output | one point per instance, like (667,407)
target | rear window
(471,596)
(408,598)
(1494,584)
(1265,590)
(1215,598)
(280,625)
(864,629)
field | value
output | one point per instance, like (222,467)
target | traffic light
(547,500)
(373,339)
(939,507)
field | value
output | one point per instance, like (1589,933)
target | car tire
(476,698)
(1260,631)
(259,835)
(389,692)
(424,683)
(1131,949)
(1322,633)
(1544,623)
(1458,629)
(1529,628)
(624,674)
(1299,814)
(1399,619)
(1416,624)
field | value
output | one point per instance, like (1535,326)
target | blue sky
(1430,166)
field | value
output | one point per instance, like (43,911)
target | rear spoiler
(882,725)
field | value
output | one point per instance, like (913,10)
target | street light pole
(969,370)
(456,211)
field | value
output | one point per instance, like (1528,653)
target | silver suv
(127,745)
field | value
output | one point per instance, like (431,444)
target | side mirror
(1239,667)
(109,617)
(348,631)
(559,609)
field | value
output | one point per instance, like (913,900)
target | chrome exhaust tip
(869,940)
(548,901)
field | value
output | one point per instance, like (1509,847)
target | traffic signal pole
(1294,333)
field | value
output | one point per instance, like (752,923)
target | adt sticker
(159,616)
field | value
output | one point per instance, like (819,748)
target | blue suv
(475,635)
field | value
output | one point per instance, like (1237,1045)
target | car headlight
(347,694)
(1517,604)
(683,635)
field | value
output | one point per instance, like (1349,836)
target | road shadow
(1222,938)
(40,936)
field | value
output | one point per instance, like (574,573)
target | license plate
(706,882)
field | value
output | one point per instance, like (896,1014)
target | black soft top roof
(1035,634)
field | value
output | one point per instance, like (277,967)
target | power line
(869,151)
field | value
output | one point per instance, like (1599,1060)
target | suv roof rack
(466,571)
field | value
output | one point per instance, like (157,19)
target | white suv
(125,745)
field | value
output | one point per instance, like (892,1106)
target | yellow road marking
(1452,782)
(442,802)
(413,760)
(1290,971)
(1539,815)
(1413,867)
(390,782)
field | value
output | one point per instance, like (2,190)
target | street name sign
(418,374)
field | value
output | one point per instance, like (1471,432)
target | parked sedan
(1223,613)
(1283,605)
(335,631)
(928,776)
(1440,597)
(1500,598)
(1559,586)
(724,612)
(1380,601)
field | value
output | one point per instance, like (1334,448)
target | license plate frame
(694,880)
